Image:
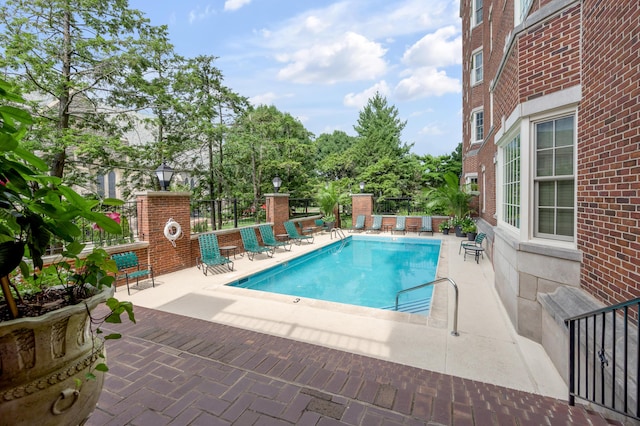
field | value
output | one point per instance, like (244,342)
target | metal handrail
(339,233)
(594,341)
(454,332)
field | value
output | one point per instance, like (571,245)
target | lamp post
(361,187)
(277,182)
(164,174)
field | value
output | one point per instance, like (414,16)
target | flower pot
(445,231)
(41,360)
(471,236)
(459,232)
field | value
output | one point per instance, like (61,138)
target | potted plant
(451,198)
(49,347)
(444,227)
(469,228)
(328,198)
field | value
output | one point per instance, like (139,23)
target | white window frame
(475,69)
(511,211)
(477,18)
(520,10)
(537,180)
(474,125)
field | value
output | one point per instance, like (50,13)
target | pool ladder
(339,234)
(454,332)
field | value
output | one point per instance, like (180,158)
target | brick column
(277,211)
(362,204)
(155,208)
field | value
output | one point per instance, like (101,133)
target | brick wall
(608,180)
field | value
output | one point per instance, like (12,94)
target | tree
(67,55)
(334,158)
(450,197)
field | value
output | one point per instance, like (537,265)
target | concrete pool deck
(487,349)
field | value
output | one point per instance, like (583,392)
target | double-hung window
(476,67)
(511,183)
(476,12)
(555,178)
(477,126)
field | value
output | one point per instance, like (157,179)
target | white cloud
(431,129)
(425,82)
(439,49)
(197,14)
(235,4)
(359,100)
(350,58)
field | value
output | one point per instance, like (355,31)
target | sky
(321,60)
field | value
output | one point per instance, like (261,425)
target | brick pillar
(277,211)
(155,208)
(362,204)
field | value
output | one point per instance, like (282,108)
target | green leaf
(102,367)
(113,336)
(7,142)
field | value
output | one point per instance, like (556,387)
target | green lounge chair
(294,235)
(400,225)
(426,226)
(269,239)
(251,244)
(359,225)
(210,256)
(477,243)
(376,226)
(129,267)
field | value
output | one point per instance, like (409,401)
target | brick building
(551,101)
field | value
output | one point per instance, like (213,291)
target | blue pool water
(368,271)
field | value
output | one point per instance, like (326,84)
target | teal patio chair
(269,239)
(359,225)
(210,256)
(376,226)
(294,235)
(477,243)
(251,244)
(426,225)
(129,267)
(400,225)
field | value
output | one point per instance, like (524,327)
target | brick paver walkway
(174,370)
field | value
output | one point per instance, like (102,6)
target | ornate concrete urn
(43,366)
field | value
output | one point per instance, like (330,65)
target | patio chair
(294,235)
(210,256)
(376,226)
(129,267)
(400,225)
(473,245)
(251,244)
(426,225)
(359,225)
(269,239)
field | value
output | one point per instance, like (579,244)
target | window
(476,12)
(100,185)
(511,183)
(476,67)
(554,178)
(521,8)
(477,123)
(112,184)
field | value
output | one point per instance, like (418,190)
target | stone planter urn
(43,365)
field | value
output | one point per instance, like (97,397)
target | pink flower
(112,215)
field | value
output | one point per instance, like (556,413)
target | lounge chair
(359,225)
(129,267)
(400,225)
(472,245)
(376,226)
(269,239)
(426,225)
(251,244)
(294,235)
(210,256)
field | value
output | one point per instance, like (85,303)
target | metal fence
(396,206)
(301,207)
(208,215)
(604,361)
(92,234)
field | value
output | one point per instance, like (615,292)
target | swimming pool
(367,271)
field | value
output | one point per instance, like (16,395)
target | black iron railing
(208,215)
(396,206)
(603,358)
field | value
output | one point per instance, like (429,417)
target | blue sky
(321,60)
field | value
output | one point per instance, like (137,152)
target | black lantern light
(277,182)
(361,187)
(164,173)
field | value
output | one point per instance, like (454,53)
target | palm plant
(451,197)
(328,198)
